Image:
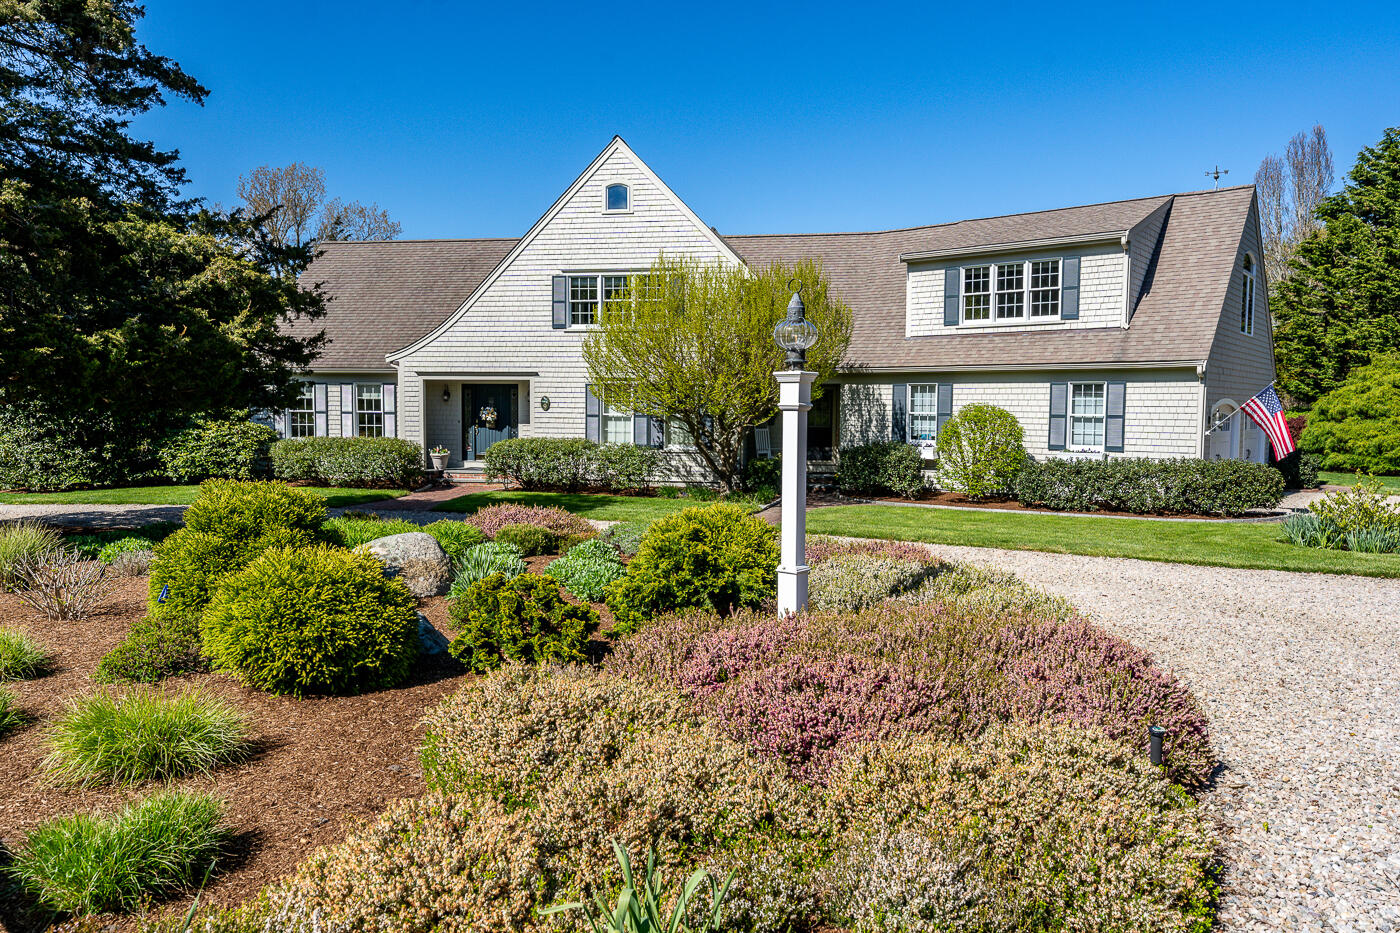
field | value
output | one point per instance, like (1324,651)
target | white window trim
(671,425)
(1026,318)
(611,412)
(597,278)
(310,399)
(1070,446)
(927,448)
(1248,299)
(359,412)
(622,210)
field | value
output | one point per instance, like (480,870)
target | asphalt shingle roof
(386,295)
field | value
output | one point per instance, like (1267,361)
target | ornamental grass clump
(1025,828)
(11,716)
(493,518)
(143,735)
(20,542)
(151,848)
(482,560)
(21,657)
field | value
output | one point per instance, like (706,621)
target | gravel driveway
(1300,674)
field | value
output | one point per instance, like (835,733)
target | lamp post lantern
(796,335)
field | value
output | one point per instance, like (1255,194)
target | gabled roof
(384,294)
(1174,321)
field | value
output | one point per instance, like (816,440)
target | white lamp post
(796,335)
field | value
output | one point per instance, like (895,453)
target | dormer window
(1247,297)
(1007,292)
(617,198)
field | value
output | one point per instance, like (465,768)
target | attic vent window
(619,198)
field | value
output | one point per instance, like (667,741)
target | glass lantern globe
(795,335)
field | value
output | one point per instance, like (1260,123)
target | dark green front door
(488,416)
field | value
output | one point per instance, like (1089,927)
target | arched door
(1224,439)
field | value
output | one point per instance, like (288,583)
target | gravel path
(1300,675)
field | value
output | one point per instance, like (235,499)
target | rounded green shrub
(708,557)
(587,569)
(520,618)
(87,863)
(232,448)
(312,621)
(455,536)
(234,509)
(980,451)
(879,469)
(192,563)
(143,735)
(21,657)
(1356,426)
(529,540)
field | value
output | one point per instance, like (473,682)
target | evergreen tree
(1339,307)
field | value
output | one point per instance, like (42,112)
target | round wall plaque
(544,403)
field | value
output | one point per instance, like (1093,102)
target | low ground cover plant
(88,863)
(714,557)
(357,462)
(853,581)
(625,537)
(882,468)
(131,544)
(587,569)
(91,543)
(481,561)
(143,735)
(1180,486)
(570,464)
(518,618)
(21,657)
(315,620)
(22,541)
(493,518)
(980,451)
(231,448)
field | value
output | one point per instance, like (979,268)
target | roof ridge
(411,240)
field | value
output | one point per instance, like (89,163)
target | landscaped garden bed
(631,687)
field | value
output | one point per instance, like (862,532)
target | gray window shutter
(1116,394)
(279,422)
(899,410)
(952,289)
(657,437)
(1059,404)
(1069,288)
(347,409)
(391,412)
(561,301)
(318,395)
(945,404)
(641,430)
(592,416)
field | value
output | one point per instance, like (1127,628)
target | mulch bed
(321,765)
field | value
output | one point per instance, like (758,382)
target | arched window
(618,198)
(1247,297)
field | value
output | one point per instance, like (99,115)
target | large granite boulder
(416,557)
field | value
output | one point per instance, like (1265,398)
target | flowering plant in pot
(439,455)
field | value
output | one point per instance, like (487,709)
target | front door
(488,416)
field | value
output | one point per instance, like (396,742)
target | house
(1128,328)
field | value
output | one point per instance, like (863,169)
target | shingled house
(1121,329)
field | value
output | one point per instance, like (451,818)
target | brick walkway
(426,500)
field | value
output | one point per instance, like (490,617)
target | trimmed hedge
(233,448)
(880,469)
(312,621)
(570,463)
(1150,487)
(518,618)
(358,462)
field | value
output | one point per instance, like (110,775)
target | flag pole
(1223,421)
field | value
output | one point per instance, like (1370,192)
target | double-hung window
(583,300)
(1086,415)
(369,410)
(617,422)
(301,417)
(1247,297)
(1006,292)
(923,414)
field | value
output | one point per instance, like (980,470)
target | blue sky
(467,120)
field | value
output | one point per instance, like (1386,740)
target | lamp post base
(792,589)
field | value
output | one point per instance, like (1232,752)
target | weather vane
(1215,174)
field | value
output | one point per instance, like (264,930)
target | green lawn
(180,495)
(589,505)
(1349,479)
(1220,544)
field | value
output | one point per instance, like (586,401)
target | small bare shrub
(61,584)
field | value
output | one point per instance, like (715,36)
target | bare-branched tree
(1290,188)
(356,221)
(291,204)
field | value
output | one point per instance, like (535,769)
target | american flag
(1267,412)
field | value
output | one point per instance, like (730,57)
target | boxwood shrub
(709,557)
(362,462)
(1164,487)
(234,448)
(315,620)
(529,540)
(519,618)
(879,469)
(570,463)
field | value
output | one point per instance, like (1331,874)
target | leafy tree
(693,344)
(124,311)
(980,450)
(1357,425)
(1340,305)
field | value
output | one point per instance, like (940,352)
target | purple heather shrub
(493,518)
(821,547)
(717,657)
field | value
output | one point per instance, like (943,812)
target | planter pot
(439,461)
